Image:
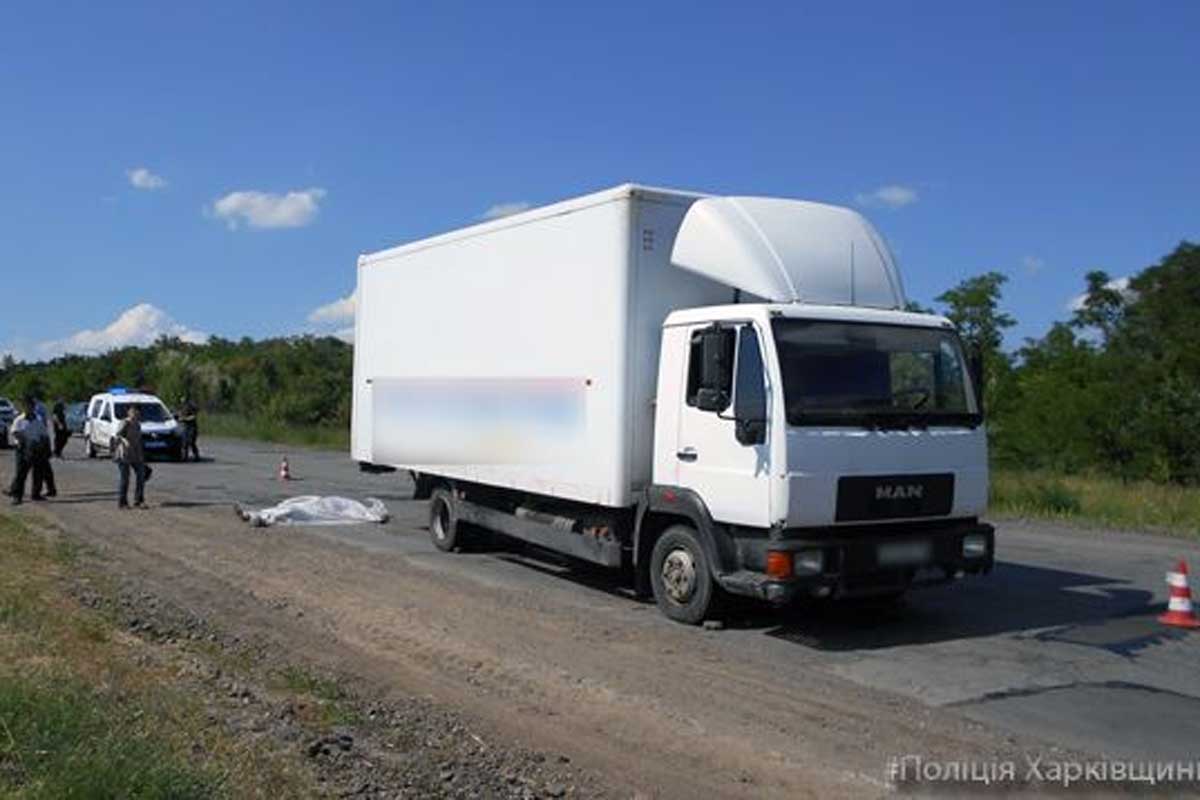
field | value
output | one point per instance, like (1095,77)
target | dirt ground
(549,682)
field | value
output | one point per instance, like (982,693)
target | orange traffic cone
(1179,605)
(285,473)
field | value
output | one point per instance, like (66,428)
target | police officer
(191,431)
(43,470)
(62,433)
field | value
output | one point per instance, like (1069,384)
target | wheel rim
(441,521)
(679,575)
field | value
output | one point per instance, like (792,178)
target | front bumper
(851,560)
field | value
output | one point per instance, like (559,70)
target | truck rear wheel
(680,576)
(443,521)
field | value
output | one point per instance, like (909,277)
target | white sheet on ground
(316,510)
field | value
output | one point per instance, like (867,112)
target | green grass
(86,711)
(331,701)
(235,426)
(1105,501)
(61,738)
(298,679)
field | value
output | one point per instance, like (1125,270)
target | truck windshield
(840,373)
(151,412)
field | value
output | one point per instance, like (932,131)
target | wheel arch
(664,506)
(424,484)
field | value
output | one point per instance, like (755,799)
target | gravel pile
(408,748)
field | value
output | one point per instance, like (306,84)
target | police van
(161,432)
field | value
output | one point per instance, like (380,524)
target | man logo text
(901,492)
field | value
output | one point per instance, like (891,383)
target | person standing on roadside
(25,432)
(58,416)
(130,457)
(43,470)
(191,431)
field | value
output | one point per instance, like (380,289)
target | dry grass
(1106,501)
(234,426)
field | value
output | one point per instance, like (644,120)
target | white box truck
(716,394)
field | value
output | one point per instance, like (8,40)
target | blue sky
(281,140)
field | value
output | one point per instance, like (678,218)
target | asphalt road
(1060,643)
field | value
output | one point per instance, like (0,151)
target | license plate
(154,444)
(896,554)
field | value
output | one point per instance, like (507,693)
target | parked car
(76,418)
(7,414)
(161,433)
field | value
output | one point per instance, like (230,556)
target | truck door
(731,477)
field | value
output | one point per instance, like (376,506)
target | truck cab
(827,450)
(816,440)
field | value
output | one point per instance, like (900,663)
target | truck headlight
(809,562)
(974,545)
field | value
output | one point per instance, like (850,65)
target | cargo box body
(565,303)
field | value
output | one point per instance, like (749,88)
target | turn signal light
(779,563)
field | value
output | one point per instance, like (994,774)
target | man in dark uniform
(43,470)
(191,431)
(61,432)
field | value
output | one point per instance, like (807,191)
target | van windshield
(845,373)
(151,412)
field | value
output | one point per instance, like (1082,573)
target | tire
(91,448)
(444,527)
(681,576)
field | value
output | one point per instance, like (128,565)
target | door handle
(687,454)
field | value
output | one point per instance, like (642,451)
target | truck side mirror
(716,368)
(750,393)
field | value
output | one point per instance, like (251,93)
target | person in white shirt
(26,432)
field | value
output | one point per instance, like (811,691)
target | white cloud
(505,209)
(1120,285)
(1033,265)
(336,318)
(267,210)
(340,310)
(892,196)
(142,178)
(138,326)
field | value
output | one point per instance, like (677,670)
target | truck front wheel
(680,576)
(443,522)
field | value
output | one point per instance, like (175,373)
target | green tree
(974,308)
(1153,353)
(1103,305)
(300,380)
